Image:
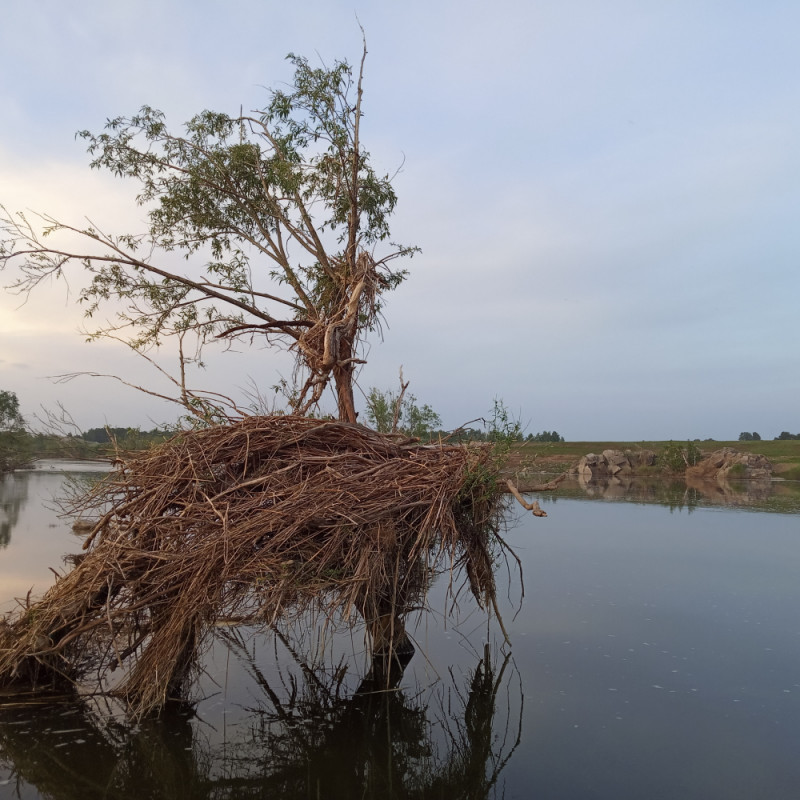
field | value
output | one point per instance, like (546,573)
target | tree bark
(343,380)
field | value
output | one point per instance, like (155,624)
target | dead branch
(534,506)
(398,403)
(550,486)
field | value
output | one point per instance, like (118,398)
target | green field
(557,456)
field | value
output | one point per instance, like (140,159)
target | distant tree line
(544,436)
(20,446)
(478,435)
(127,438)
(754,437)
(744,436)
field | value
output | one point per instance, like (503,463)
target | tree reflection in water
(306,735)
(13,496)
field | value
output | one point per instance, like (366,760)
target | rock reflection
(306,736)
(690,492)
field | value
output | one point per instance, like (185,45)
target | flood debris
(254,522)
(533,505)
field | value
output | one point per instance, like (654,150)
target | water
(656,653)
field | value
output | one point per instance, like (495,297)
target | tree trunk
(343,379)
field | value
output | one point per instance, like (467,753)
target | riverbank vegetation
(19,449)
(555,457)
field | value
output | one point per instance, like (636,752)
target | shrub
(675,458)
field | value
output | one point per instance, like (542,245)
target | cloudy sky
(606,194)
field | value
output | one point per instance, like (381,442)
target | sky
(606,196)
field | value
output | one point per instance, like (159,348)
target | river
(655,653)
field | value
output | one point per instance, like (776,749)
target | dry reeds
(253,521)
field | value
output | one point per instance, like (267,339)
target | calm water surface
(655,654)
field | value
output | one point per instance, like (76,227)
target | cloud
(605,194)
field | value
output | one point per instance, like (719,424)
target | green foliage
(15,450)
(785,435)
(503,428)
(675,458)
(380,409)
(126,438)
(420,421)
(10,418)
(103,435)
(749,437)
(412,419)
(19,448)
(544,436)
(278,213)
(481,486)
(14,440)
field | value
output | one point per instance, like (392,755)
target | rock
(641,458)
(591,467)
(617,462)
(719,465)
(615,457)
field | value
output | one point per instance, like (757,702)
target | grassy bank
(554,457)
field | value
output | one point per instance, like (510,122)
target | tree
(10,418)
(745,436)
(278,214)
(545,436)
(388,412)
(14,441)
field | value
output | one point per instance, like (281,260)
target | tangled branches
(254,522)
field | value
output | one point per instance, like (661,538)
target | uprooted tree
(248,519)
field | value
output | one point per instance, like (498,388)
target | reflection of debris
(83,526)
(308,729)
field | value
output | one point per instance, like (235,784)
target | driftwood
(254,521)
(534,506)
(550,486)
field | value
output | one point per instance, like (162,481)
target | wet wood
(532,507)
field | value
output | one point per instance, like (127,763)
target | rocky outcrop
(720,465)
(612,464)
(729,463)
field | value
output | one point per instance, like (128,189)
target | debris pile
(253,522)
